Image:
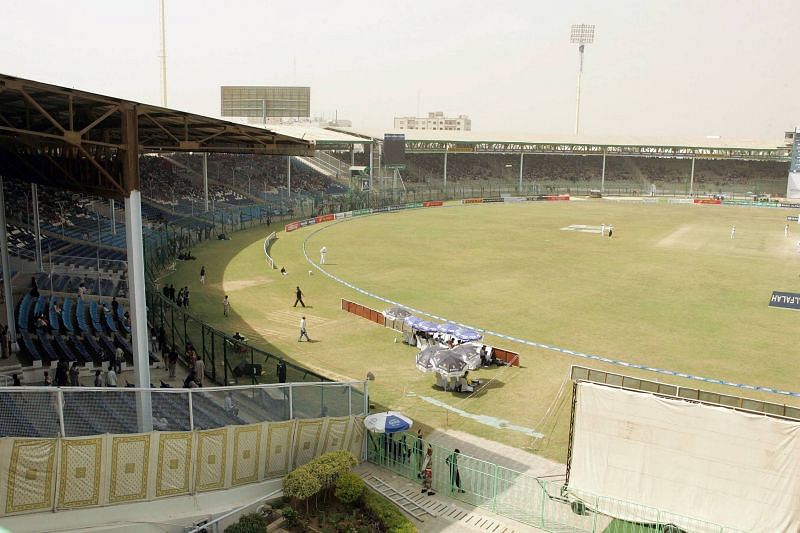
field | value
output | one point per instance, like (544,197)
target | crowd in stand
(575,169)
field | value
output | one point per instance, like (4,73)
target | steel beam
(37,232)
(7,293)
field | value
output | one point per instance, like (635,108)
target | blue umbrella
(467,334)
(411,321)
(427,326)
(448,327)
(388,422)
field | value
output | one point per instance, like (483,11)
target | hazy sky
(657,68)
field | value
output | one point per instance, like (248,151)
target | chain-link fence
(80,411)
(544,502)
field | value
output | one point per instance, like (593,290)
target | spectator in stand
(119,356)
(16,381)
(74,375)
(48,381)
(111,377)
(172,361)
(62,373)
(281,371)
(98,378)
(81,291)
(200,372)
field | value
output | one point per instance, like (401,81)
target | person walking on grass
(303,332)
(203,275)
(733,232)
(226,305)
(298,294)
(427,473)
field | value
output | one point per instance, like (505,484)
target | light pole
(580,34)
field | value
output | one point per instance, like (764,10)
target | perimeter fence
(544,502)
(80,411)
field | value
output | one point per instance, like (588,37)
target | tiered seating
(68,352)
(55,323)
(66,315)
(30,346)
(80,315)
(25,311)
(49,352)
(80,348)
(95,348)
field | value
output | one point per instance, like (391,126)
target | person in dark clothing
(62,373)
(172,292)
(455,476)
(17,382)
(114,305)
(34,288)
(162,339)
(298,297)
(281,371)
(165,291)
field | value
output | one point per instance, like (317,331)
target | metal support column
(289,174)
(371,164)
(111,205)
(8,296)
(691,180)
(445,172)
(603,175)
(135,245)
(37,232)
(205,180)
(138,311)
(521,164)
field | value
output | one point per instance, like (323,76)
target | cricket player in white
(786,230)
(733,232)
(322,252)
(603,230)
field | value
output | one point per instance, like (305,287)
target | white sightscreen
(793,185)
(711,463)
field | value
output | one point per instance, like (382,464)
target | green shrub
(300,484)
(393,520)
(349,488)
(320,473)
(290,515)
(249,523)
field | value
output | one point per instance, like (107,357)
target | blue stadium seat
(80,314)
(81,350)
(49,350)
(95,348)
(30,346)
(64,348)
(66,315)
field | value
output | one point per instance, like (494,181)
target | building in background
(434,121)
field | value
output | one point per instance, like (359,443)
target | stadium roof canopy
(323,138)
(90,143)
(437,141)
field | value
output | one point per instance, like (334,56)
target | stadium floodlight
(580,34)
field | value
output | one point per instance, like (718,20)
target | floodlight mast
(580,34)
(163,56)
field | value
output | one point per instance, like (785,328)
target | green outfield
(671,290)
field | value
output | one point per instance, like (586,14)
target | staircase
(434,513)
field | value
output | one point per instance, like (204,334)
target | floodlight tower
(580,34)
(163,55)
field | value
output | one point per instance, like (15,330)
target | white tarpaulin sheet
(711,463)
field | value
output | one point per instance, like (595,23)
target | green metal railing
(543,502)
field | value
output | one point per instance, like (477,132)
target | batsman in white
(322,252)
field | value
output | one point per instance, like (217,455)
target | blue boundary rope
(582,355)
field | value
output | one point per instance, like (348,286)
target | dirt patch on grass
(241,284)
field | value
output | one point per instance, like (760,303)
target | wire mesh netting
(81,411)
